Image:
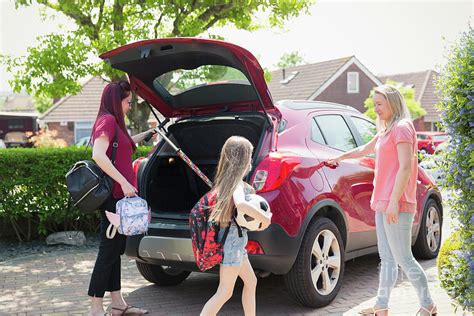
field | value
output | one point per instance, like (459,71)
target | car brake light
(273,171)
(254,248)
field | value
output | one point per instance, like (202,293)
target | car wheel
(316,276)
(162,275)
(428,241)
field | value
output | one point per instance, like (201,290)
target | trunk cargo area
(172,187)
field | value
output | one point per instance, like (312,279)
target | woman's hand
(128,189)
(392,213)
(333,162)
(153,132)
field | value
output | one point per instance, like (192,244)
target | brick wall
(337,91)
(64,132)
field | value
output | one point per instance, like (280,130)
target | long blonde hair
(397,105)
(234,163)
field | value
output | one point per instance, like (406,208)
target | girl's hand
(128,189)
(392,213)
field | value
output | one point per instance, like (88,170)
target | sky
(388,37)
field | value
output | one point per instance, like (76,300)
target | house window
(15,124)
(82,129)
(352,82)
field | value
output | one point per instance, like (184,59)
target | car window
(366,129)
(440,137)
(336,132)
(316,135)
(180,80)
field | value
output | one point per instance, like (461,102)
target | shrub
(456,90)
(33,194)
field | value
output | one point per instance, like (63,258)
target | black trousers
(106,273)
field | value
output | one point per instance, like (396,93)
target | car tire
(314,261)
(428,241)
(161,275)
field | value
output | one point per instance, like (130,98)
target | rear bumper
(173,248)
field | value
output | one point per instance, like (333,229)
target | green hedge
(33,194)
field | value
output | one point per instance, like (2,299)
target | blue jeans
(394,245)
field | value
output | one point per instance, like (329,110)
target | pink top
(123,158)
(386,168)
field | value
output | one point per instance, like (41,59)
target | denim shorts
(234,246)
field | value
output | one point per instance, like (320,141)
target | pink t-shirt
(386,168)
(123,157)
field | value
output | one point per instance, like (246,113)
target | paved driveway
(56,284)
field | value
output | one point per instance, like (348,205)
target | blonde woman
(234,164)
(394,197)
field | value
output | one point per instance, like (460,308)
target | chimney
(283,73)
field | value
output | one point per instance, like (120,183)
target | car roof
(430,133)
(311,106)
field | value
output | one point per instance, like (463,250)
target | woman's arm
(100,157)
(405,156)
(243,206)
(358,152)
(141,136)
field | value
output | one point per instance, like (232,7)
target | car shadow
(359,287)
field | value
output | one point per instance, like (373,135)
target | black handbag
(89,187)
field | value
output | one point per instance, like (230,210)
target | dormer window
(287,79)
(353,82)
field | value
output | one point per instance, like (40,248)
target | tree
(455,87)
(290,60)
(414,106)
(55,65)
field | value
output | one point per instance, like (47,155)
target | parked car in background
(84,141)
(17,139)
(321,215)
(428,141)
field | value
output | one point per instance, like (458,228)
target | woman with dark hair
(115,103)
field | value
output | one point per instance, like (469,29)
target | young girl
(393,197)
(234,165)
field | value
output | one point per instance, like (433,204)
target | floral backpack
(208,252)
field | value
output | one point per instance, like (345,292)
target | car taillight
(273,171)
(254,248)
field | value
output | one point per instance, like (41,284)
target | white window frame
(82,125)
(355,76)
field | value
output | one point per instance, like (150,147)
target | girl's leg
(250,286)
(399,238)
(227,278)
(388,268)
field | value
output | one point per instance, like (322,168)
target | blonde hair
(397,105)
(234,164)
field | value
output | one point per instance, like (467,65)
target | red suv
(321,216)
(428,141)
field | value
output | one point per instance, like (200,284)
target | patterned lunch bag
(132,217)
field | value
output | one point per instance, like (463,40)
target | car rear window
(179,80)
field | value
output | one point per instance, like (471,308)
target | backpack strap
(238,226)
(115,145)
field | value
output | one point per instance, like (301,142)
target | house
(345,80)
(424,84)
(17,116)
(73,116)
